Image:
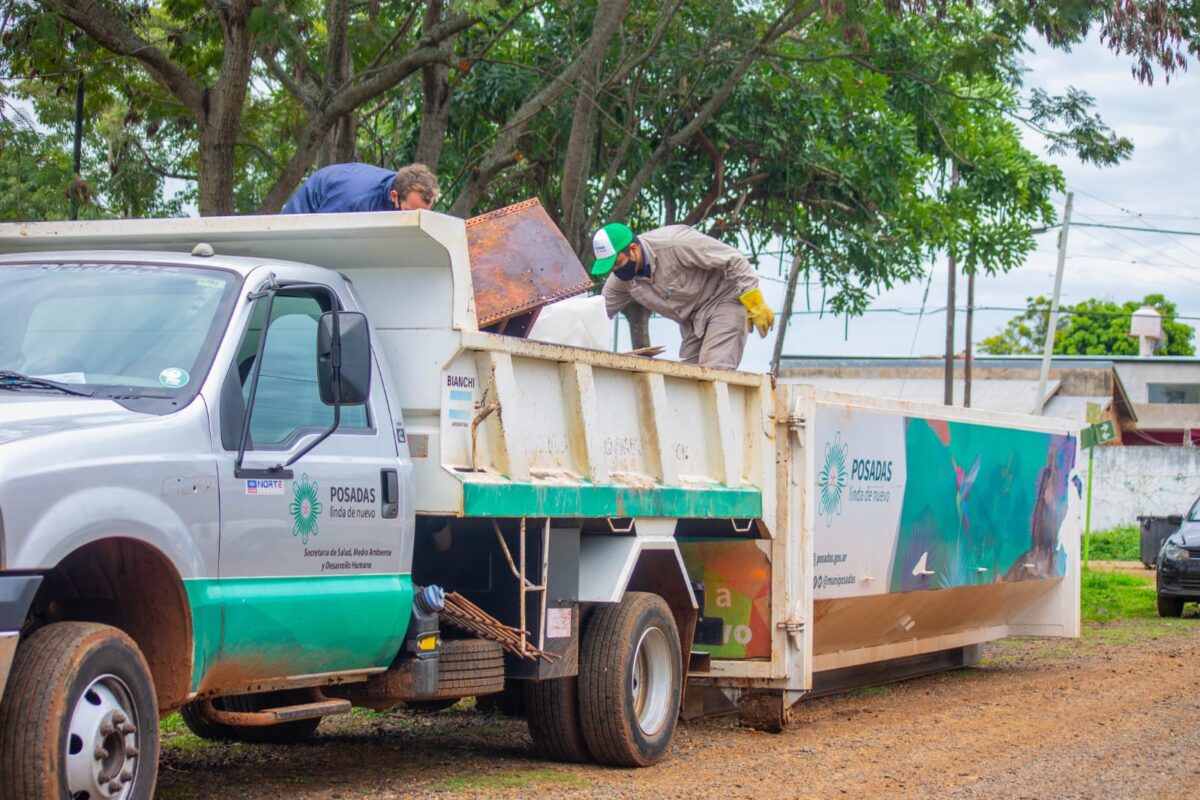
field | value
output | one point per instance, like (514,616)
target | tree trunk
(435,103)
(577,160)
(785,316)
(503,153)
(787,21)
(639,324)
(215,176)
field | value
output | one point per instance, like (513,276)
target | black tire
(68,680)
(1170,606)
(621,639)
(552,714)
(193,717)
(282,733)
(469,667)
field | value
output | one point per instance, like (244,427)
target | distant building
(1153,401)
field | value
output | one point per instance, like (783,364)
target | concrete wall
(1137,375)
(1141,480)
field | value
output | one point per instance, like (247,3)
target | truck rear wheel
(552,714)
(79,717)
(630,681)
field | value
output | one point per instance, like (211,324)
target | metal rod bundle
(464,614)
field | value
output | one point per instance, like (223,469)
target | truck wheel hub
(102,741)
(652,681)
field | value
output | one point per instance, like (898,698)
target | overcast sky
(1160,184)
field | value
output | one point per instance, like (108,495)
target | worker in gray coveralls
(707,287)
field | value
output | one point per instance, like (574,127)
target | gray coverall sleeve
(616,296)
(705,252)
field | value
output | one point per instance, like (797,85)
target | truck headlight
(1173,552)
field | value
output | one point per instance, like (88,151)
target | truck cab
(220,478)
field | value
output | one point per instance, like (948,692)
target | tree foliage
(1090,328)
(826,130)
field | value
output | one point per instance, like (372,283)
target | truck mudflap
(16,596)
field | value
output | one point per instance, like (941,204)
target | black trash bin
(1155,531)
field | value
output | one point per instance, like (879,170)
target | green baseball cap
(608,241)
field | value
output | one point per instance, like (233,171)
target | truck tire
(630,681)
(79,717)
(1170,606)
(552,714)
(200,725)
(469,667)
(283,733)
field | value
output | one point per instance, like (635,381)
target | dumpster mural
(737,590)
(931,504)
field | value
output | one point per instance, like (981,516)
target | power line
(1110,226)
(1163,269)
(912,312)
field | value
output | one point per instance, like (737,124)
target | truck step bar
(274,716)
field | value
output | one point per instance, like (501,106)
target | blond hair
(416,178)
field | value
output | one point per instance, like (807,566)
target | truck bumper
(16,596)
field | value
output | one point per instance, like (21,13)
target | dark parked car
(1179,566)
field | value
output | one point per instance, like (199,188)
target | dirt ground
(1135,568)
(1113,714)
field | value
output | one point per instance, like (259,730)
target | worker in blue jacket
(362,187)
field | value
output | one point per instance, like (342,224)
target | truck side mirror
(344,340)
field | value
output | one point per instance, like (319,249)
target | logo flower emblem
(832,479)
(305,508)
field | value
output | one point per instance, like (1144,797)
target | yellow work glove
(758,313)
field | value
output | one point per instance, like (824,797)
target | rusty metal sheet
(520,261)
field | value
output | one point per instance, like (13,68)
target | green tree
(1090,328)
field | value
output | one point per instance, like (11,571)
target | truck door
(310,559)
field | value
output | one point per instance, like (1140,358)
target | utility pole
(1040,400)
(948,394)
(970,343)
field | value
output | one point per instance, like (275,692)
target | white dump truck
(263,469)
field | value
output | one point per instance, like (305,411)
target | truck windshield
(113,328)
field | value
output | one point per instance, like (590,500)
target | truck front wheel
(630,681)
(79,717)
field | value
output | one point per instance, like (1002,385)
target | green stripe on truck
(255,628)
(538,500)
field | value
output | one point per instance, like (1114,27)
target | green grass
(173,724)
(1118,544)
(510,779)
(1106,596)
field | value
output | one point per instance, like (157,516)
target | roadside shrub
(1118,544)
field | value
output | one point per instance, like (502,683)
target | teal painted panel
(204,597)
(255,628)
(594,501)
(981,496)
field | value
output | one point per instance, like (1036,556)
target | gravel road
(1113,714)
